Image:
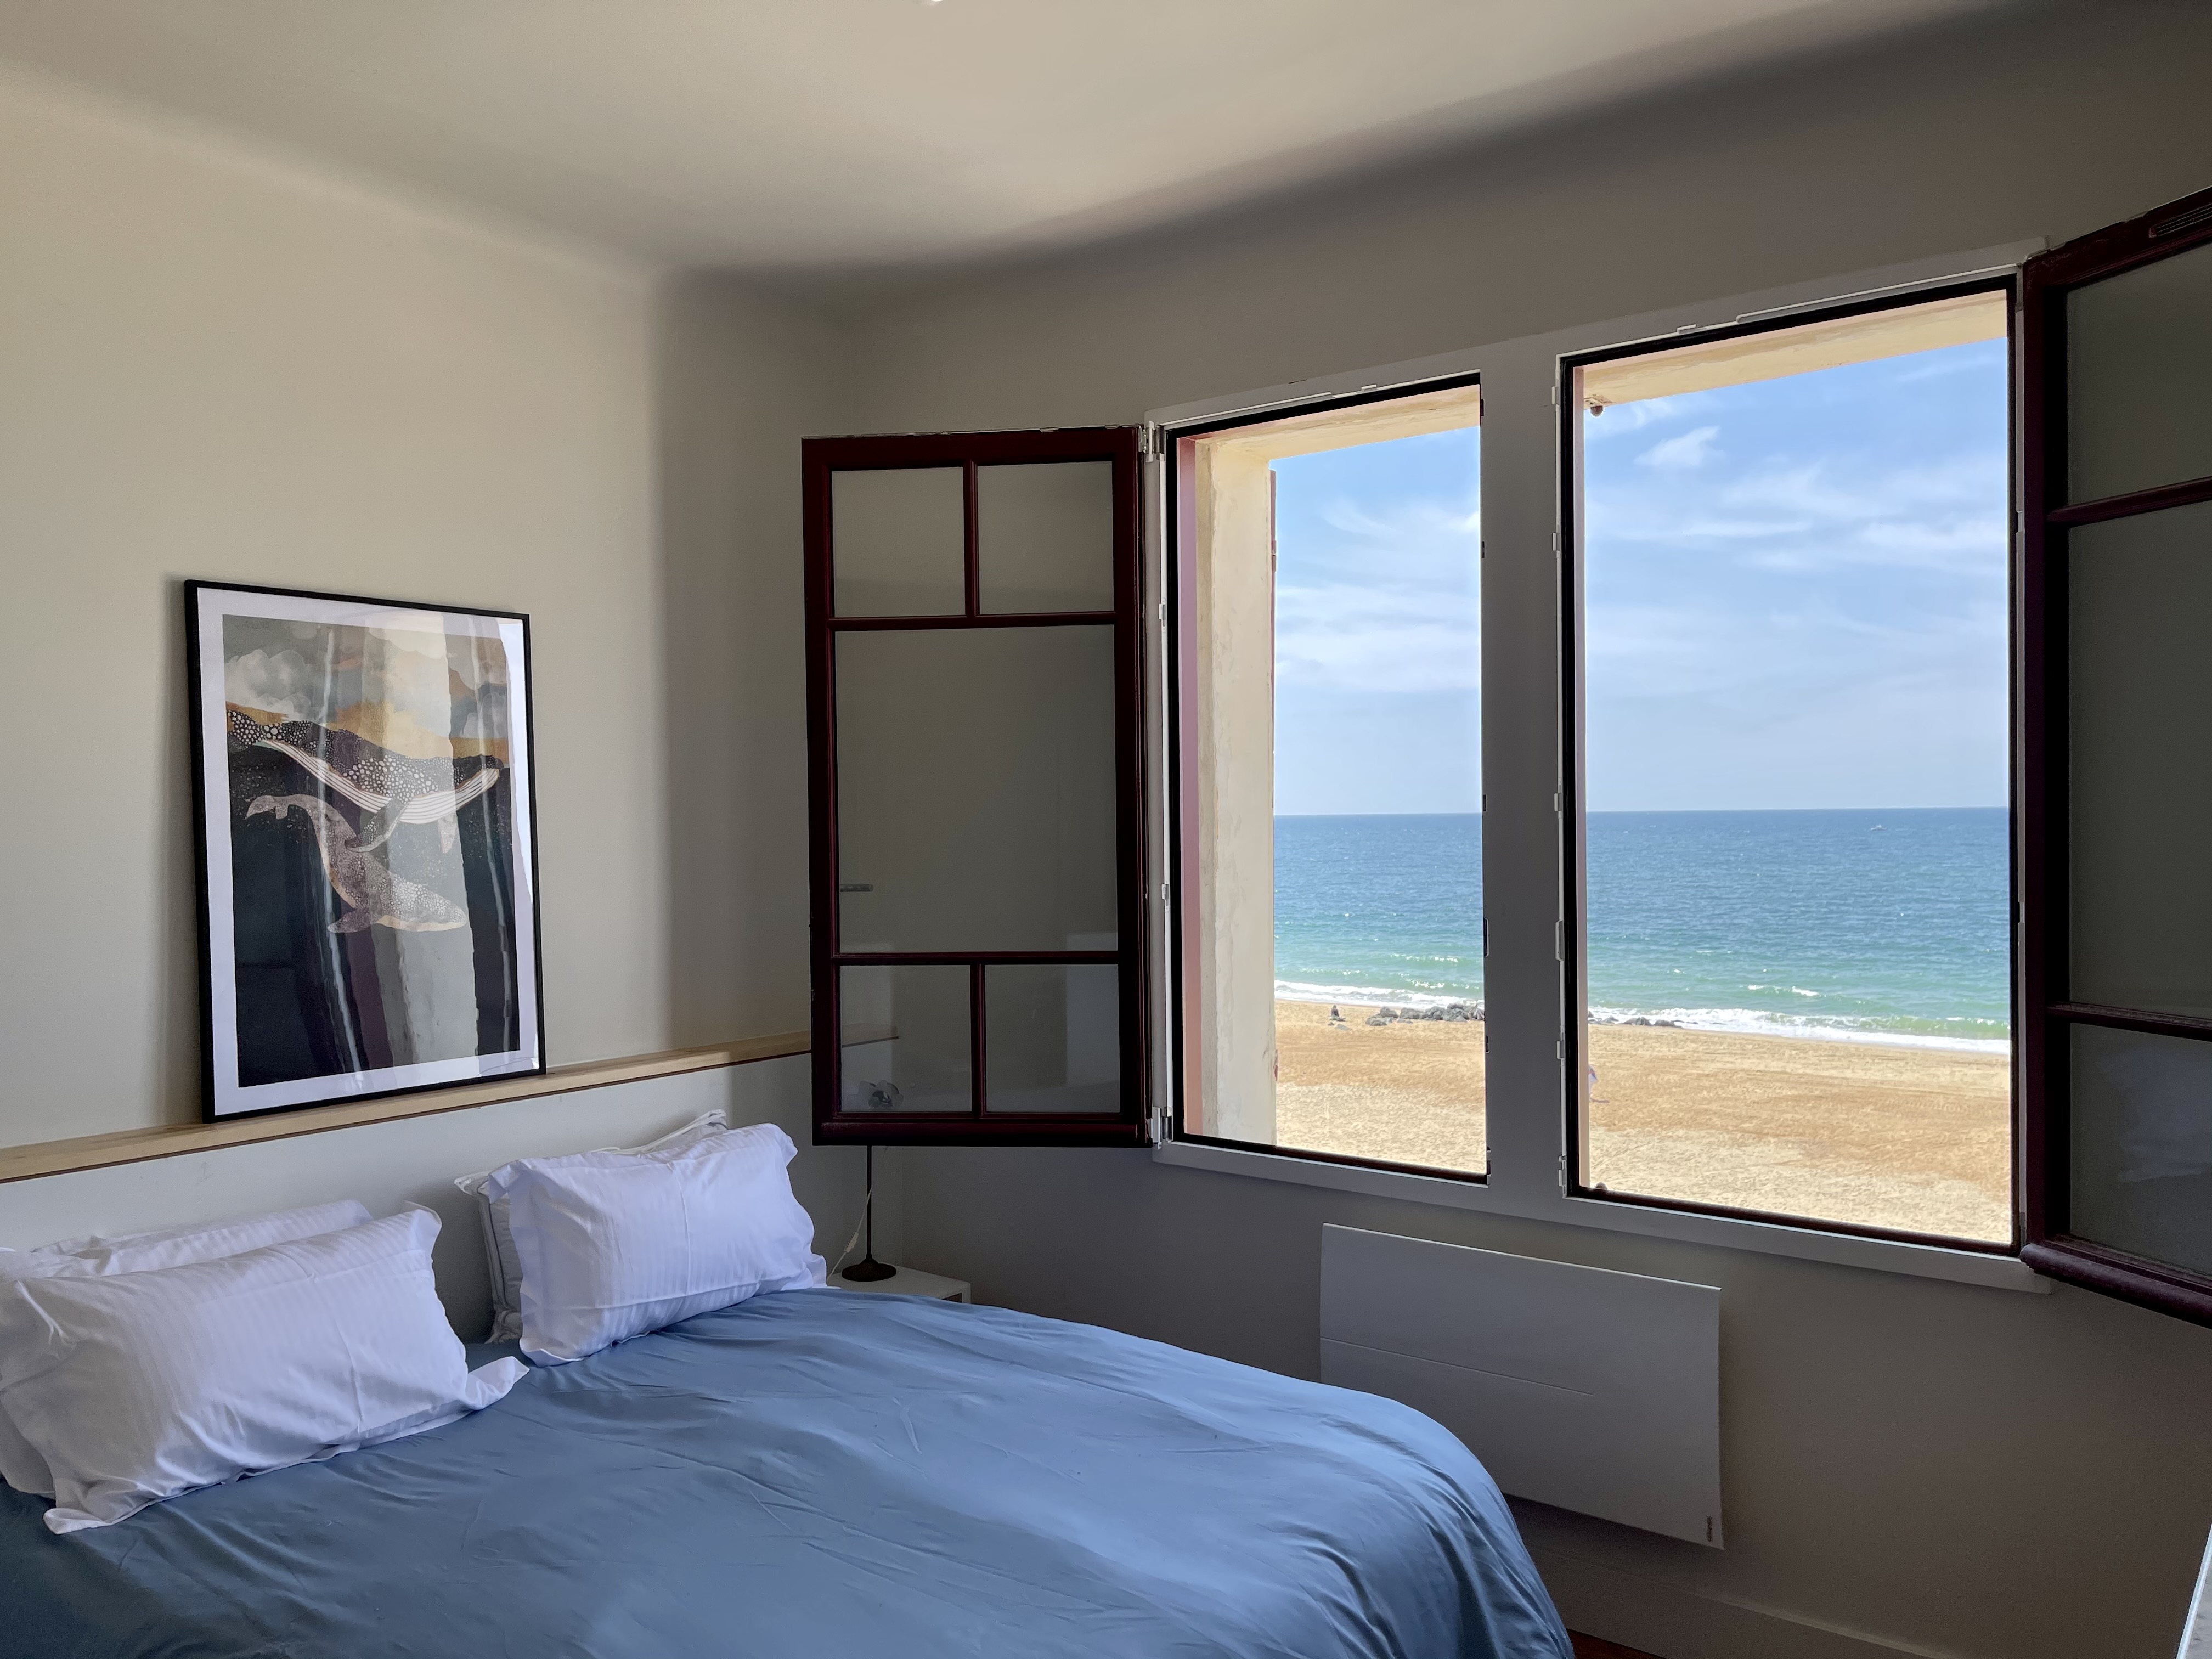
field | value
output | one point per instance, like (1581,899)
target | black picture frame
(365,840)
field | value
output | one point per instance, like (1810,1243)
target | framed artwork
(367,839)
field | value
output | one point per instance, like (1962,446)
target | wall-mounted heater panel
(1594,1391)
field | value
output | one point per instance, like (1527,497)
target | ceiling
(876,136)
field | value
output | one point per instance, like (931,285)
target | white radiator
(1594,1391)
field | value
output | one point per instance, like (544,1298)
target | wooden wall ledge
(49,1158)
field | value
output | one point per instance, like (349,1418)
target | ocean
(1884,926)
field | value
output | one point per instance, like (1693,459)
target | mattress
(817,1473)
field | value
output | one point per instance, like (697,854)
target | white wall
(1942,1469)
(210,367)
(742,377)
(219,363)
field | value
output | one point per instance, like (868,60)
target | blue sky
(1377,658)
(1795,598)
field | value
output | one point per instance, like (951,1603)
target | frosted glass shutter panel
(2116,895)
(1053,1038)
(2138,360)
(898,541)
(2140,758)
(907,1039)
(1044,536)
(975,787)
(2142,1154)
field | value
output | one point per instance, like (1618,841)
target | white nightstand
(911,1281)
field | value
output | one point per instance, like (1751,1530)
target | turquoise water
(1868,925)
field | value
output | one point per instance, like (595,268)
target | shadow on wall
(740,377)
(176,1015)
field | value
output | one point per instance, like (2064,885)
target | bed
(812,1475)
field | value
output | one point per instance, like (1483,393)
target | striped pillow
(138,1386)
(21,1465)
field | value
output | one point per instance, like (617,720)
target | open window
(1844,892)
(2117,885)
(1327,767)
(1788,787)
(974,674)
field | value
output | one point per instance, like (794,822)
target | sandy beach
(1916,1139)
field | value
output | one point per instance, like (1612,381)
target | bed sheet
(814,1475)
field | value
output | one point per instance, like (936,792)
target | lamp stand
(867,1270)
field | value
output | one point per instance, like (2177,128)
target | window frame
(1178,513)
(819,459)
(1573,817)
(2048,517)
(1522,493)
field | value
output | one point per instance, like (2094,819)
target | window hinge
(1563,1172)
(1555,541)
(1148,440)
(1555,397)
(1559,941)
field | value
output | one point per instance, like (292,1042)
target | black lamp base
(867,1270)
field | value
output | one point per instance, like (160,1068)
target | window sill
(1767,1238)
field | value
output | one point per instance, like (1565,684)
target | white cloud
(1416,524)
(1982,534)
(1947,365)
(1350,638)
(1621,419)
(1690,451)
(275,682)
(1964,480)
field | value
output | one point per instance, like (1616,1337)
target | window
(2117,1045)
(1766,474)
(1329,773)
(974,674)
(1789,567)
(1586,777)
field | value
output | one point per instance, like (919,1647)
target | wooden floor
(1589,1647)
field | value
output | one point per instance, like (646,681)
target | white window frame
(1528,1117)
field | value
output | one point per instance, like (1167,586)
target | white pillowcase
(21,1464)
(137,1387)
(499,1234)
(177,1247)
(612,1245)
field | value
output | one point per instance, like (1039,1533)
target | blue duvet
(818,1474)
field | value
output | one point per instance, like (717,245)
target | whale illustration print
(393,789)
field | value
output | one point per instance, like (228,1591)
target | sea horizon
(1860,925)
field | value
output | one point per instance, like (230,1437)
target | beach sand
(1914,1138)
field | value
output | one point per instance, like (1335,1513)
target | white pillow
(137,1387)
(499,1235)
(21,1465)
(176,1247)
(614,1243)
